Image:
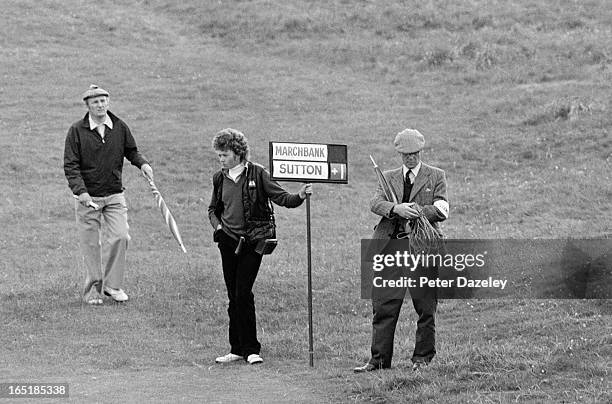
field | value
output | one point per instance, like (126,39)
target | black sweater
(94,165)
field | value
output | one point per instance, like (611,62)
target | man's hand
(147,171)
(306,189)
(85,199)
(217,233)
(407,210)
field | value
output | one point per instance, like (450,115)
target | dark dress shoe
(368,367)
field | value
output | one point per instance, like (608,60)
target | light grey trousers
(103,239)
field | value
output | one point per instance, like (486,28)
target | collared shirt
(100,127)
(235,172)
(415,171)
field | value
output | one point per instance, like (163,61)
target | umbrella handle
(91,204)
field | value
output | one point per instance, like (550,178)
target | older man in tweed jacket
(419,187)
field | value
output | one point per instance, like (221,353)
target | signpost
(309,162)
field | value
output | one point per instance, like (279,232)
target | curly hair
(231,139)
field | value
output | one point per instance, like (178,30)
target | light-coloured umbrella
(166,214)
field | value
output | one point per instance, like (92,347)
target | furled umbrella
(166,213)
(389,193)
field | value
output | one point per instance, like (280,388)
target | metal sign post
(309,162)
(308,244)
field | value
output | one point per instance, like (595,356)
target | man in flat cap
(418,187)
(93,161)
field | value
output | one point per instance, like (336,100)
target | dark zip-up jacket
(94,165)
(257,192)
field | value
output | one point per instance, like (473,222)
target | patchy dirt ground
(195,384)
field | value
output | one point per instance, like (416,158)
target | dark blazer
(429,186)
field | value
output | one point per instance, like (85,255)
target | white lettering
(436,282)
(463,282)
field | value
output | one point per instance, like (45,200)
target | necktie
(407,188)
(408,177)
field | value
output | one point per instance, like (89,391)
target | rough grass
(514,100)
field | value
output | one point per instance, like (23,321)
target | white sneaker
(118,295)
(93,297)
(230,357)
(254,359)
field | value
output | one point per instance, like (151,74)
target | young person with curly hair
(242,217)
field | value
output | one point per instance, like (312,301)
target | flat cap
(94,91)
(409,141)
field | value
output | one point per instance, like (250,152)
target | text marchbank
(423,281)
(302,151)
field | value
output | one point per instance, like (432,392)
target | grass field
(514,99)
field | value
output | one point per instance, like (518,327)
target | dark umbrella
(382,181)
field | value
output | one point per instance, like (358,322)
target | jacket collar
(85,120)
(420,180)
(396,180)
(107,121)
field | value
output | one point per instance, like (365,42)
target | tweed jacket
(429,186)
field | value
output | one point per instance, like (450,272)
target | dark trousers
(240,272)
(386,313)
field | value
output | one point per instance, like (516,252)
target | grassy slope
(514,101)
